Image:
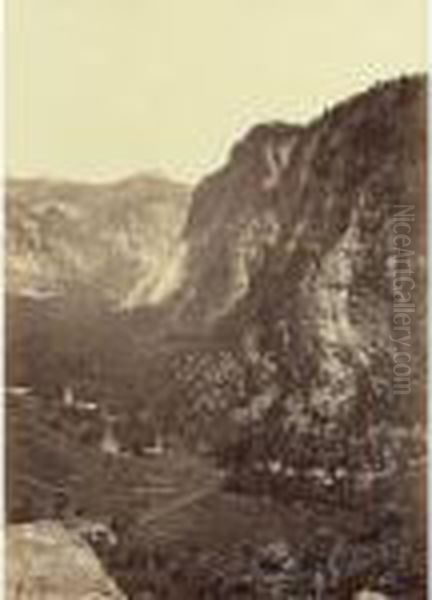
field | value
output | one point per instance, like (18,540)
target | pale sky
(101,89)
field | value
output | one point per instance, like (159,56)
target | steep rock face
(305,314)
(233,219)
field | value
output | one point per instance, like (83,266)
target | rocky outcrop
(44,560)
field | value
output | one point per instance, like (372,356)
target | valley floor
(170,528)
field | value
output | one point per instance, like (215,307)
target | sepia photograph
(215,312)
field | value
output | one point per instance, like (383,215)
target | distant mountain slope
(119,242)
